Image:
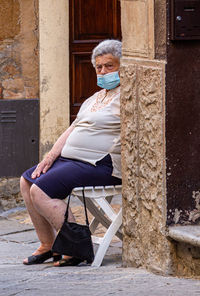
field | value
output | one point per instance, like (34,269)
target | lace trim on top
(103,98)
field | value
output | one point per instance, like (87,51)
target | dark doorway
(91,21)
(182,123)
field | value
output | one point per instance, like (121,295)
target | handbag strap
(86,215)
(84,201)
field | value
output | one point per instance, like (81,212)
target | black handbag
(74,239)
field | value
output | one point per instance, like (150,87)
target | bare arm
(59,144)
(49,159)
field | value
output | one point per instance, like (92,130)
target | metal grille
(19,136)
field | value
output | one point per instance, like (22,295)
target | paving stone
(10,226)
(18,241)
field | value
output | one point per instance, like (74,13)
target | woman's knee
(25,188)
(37,195)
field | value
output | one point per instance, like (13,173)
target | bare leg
(44,229)
(53,210)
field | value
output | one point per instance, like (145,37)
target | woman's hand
(43,166)
(53,154)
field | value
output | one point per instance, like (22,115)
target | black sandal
(38,259)
(74,261)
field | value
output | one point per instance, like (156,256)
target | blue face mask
(108,81)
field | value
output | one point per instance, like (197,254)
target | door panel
(91,21)
(83,74)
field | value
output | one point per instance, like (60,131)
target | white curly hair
(107,46)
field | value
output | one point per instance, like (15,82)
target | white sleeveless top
(97,130)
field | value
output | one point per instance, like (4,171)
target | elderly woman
(86,154)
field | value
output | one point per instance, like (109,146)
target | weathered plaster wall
(54,77)
(29,47)
(19,76)
(143,136)
(19,68)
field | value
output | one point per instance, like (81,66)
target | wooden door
(91,21)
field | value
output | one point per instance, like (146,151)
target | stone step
(185,233)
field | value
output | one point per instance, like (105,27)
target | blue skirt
(66,174)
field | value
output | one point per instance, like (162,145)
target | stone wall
(10,196)
(19,76)
(19,69)
(143,136)
(148,91)
(143,143)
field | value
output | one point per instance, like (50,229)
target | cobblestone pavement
(18,240)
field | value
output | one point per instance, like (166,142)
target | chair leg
(99,216)
(94,223)
(113,228)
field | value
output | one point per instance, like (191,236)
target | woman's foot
(58,262)
(41,255)
(38,259)
(68,261)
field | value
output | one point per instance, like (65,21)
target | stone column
(54,71)
(143,135)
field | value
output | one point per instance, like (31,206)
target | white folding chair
(98,201)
